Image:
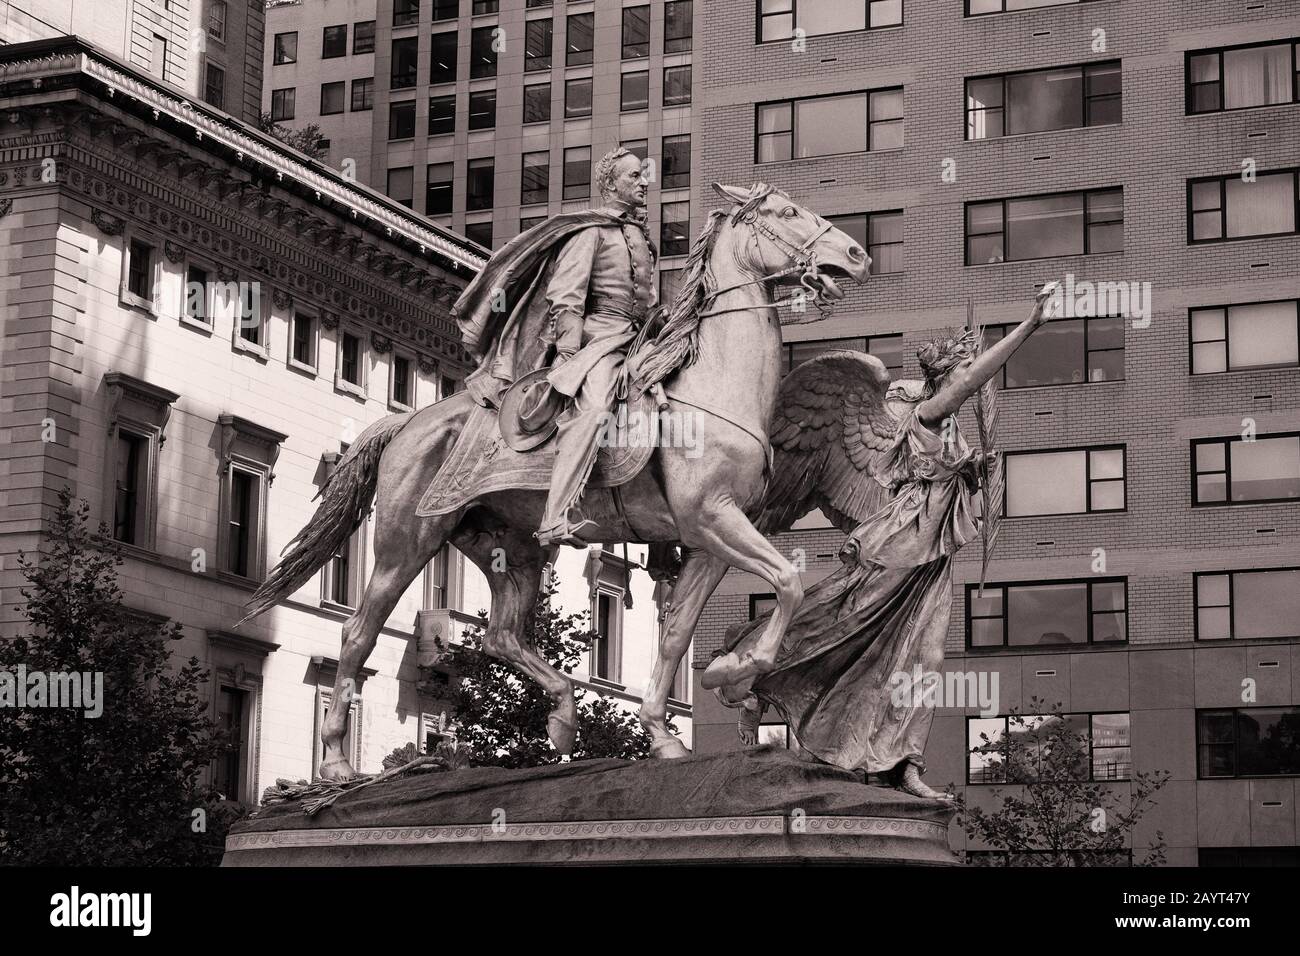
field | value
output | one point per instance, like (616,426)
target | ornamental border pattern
(767,826)
(167,204)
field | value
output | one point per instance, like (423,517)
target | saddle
(482,461)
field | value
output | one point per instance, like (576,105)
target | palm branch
(986,414)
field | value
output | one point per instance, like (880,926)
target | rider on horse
(595,272)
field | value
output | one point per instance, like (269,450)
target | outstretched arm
(963,383)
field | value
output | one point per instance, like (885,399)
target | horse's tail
(346,497)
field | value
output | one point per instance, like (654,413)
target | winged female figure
(887,464)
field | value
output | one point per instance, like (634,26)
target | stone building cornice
(334,244)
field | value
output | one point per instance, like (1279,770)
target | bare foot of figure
(909,781)
(335,769)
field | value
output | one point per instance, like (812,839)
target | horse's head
(791,244)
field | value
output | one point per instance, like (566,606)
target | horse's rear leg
(513,562)
(701,572)
(726,532)
(399,557)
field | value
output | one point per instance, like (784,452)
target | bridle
(805,263)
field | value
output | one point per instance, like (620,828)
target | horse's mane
(677,344)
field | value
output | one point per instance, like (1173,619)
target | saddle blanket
(482,463)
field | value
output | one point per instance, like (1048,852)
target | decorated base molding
(621,813)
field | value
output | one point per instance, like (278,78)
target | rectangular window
(679,25)
(249,306)
(350,358)
(677,85)
(777,19)
(482,53)
(214,86)
(577,98)
(676,161)
(442,59)
(363,94)
(340,574)
(529,222)
(1248,742)
(1256,335)
(216,24)
(438,189)
(1064,352)
(403,393)
(285,49)
(445,10)
(829,125)
(132,464)
(405,63)
(401,185)
(1239,471)
(483,109)
(140,270)
(887,348)
(302,340)
(406,13)
(1039,227)
(363,36)
(158,57)
(481,184)
(579,38)
(634,91)
(1242,605)
(1078,481)
(608,618)
(228,776)
(331,98)
(442,114)
(1238,78)
(283,104)
(196,295)
(334,42)
(880,233)
(401,120)
(241,533)
(537,103)
(536,183)
(1105,749)
(480,232)
(975,8)
(539,36)
(1229,207)
(640,148)
(636,32)
(1060,612)
(675,228)
(483,6)
(1036,101)
(577,172)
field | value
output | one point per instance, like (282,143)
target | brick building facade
(1190,700)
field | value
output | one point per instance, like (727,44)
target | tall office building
(489,117)
(210,50)
(1148,572)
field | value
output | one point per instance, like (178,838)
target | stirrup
(564,533)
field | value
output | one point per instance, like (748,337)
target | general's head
(620,176)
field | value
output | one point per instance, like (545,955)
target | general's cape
(509,341)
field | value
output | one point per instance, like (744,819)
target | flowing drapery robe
(883,613)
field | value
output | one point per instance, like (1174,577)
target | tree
(1057,816)
(309,140)
(501,715)
(121,788)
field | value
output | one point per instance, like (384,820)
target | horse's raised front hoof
(668,748)
(337,770)
(562,726)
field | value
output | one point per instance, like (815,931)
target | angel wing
(832,423)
